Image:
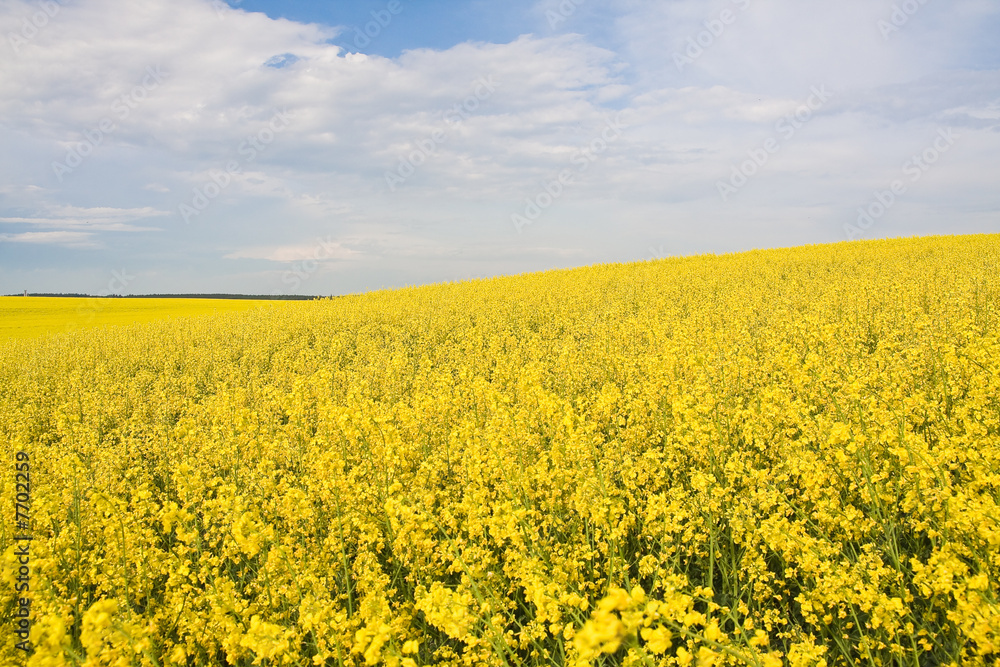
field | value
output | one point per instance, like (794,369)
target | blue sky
(426,24)
(338,147)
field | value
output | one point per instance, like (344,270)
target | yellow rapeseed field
(767,458)
(29,317)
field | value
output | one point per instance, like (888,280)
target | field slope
(774,457)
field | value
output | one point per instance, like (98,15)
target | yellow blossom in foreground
(658,640)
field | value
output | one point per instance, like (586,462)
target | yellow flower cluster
(785,457)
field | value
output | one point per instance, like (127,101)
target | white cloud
(322,250)
(482,151)
(93,219)
(69,239)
